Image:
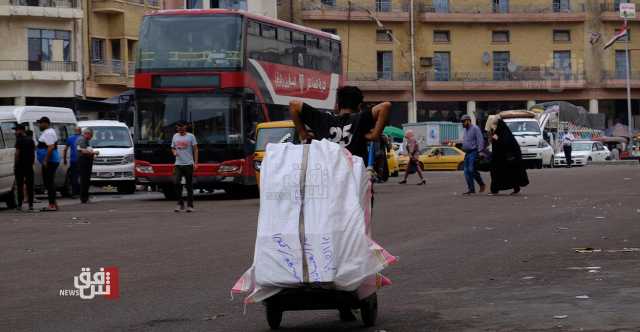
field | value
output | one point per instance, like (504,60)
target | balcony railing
(131,68)
(379,76)
(620,75)
(113,67)
(46,3)
(614,6)
(462,8)
(154,3)
(374,6)
(23,65)
(545,74)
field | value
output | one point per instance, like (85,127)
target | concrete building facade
(480,56)
(261,7)
(111,38)
(42,52)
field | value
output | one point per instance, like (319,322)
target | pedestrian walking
(472,144)
(71,150)
(185,148)
(49,158)
(506,167)
(23,166)
(567,140)
(85,155)
(413,151)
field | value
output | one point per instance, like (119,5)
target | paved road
(480,263)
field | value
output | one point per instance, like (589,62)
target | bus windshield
(190,42)
(213,119)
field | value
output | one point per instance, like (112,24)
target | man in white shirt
(49,158)
(567,140)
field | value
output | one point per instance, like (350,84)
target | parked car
(114,165)
(63,120)
(438,158)
(583,153)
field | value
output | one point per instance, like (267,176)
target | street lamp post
(628,83)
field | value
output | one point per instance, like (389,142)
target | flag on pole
(623,32)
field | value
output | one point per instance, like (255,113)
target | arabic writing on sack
(286,254)
(103,282)
(316,185)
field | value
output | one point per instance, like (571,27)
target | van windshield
(111,137)
(524,127)
(274,135)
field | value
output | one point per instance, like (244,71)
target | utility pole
(628,70)
(413,111)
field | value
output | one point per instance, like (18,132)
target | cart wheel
(369,310)
(274,316)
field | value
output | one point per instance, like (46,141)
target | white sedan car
(583,153)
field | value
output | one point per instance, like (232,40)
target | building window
(330,30)
(561,5)
(385,65)
(383,5)
(331,3)
(562,63)
(441,6)
(616,4)
(621,64)
(442,66)
(500,36)
(384,35)
(500,6)
(97,50)
(48,46)
(229,4)
(194,4)
(441,36)
(501,65)
(561,35)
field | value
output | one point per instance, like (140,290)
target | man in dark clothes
(23,166)
(507,168)
(85,163)
(349,126)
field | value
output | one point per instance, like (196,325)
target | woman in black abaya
(507,169)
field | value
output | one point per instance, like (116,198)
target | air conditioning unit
(426,61)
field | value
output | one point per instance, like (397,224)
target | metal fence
(46,3)
(23,65)
(545,74)
(443,6)
(379,76)
(380,6)
(620,75)
(113,67)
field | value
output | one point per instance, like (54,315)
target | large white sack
(336,207)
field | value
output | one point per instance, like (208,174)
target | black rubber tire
(539,164)
(10,198)
(589,161)
(274,315)
(346,315)
(127,188)
(369,310)
(461,166)
(169,193)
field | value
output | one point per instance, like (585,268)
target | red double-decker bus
(223,72)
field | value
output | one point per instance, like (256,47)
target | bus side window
(253,28)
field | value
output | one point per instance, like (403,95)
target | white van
(7,152)
(535,150)
(114,165)
(63,120)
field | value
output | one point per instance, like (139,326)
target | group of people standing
(80,162)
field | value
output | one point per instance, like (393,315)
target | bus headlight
(145,169)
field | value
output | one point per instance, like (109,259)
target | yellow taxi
(271,132)
(393,162)
(437,158)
